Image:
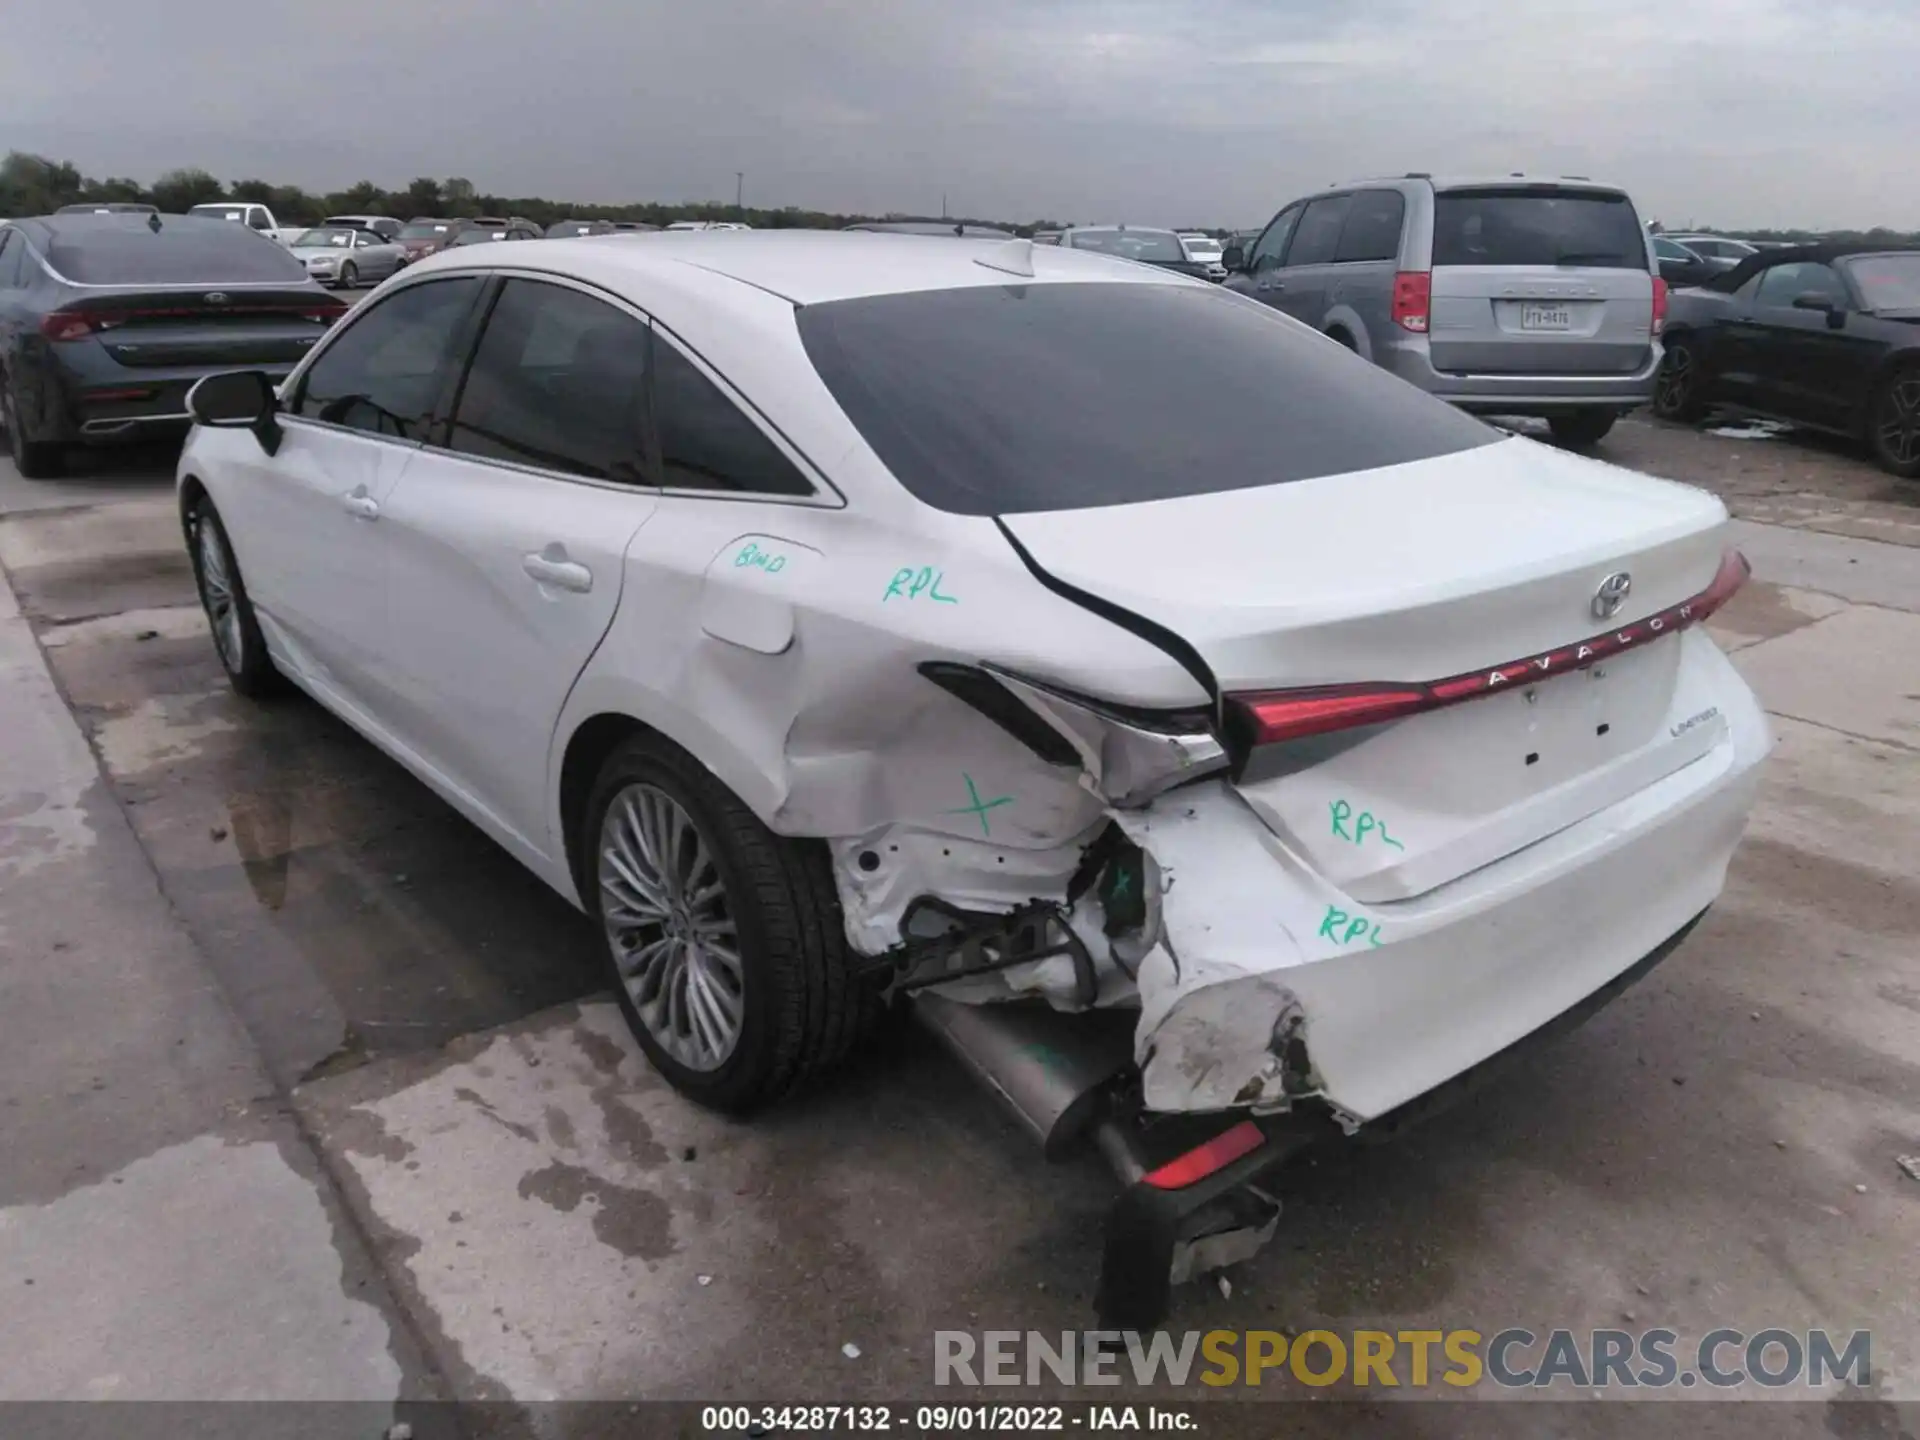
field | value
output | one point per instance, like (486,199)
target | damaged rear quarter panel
(834,734)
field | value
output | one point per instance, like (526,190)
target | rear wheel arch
(596,738)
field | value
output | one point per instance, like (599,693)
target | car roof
(1823,253)
(810,267)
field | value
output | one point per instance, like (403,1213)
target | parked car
(425,235)
(875,620)
(1205,250)
(640,225)
(1826,336)
(385,226)
(343,257)
(1159,248)
(932,227)
(708,225)
(107,320)
(572,229)
(1679,266)
(481,232)
(108,207)
(1721,249)
(255,217)
(1507,297)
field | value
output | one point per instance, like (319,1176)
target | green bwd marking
(1364,826)
(910,584)
(978,807)
(752,555)
(1343,929)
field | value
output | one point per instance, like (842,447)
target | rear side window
(386,368)
(996,400)
(185,250)
(13,252)
(706,443)
(1372,231)
(559,380)
(1317,240)
(1537,226)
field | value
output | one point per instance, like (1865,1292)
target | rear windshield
(1537,227)
(1131,244)
(478,237)
(313,239)
(1888,283)
(423,232)
(995,400)
(185,250)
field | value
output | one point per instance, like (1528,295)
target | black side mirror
(237,400)
(1234,258)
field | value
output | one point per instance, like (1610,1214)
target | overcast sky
(1732,112)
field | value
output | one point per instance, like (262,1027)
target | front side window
(385,369)
(1318,240)
(1783,284)
(1273,243)
(558,381)
(706,441)
(992,400)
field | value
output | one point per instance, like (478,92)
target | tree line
(35,185)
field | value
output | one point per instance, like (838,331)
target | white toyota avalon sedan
(840,615)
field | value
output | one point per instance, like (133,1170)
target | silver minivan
(1514,296)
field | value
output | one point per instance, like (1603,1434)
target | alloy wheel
(1899,430)
(217,594)
(1676,381)
(671,929)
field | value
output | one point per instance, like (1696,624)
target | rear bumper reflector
(1208,1158)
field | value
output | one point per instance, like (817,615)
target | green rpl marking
(1363,826)
(1344,929)
(910,584)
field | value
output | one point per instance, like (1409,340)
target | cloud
(1737,112)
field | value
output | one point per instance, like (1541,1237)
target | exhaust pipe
(1051,1070)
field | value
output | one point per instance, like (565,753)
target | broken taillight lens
(1276,716)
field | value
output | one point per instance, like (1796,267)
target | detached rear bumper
(1249,1003)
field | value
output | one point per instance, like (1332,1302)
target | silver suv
(1514,296)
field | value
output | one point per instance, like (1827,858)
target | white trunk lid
(1413,574)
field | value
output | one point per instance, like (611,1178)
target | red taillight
(324,314)
(1204,1160)
(1274,717)
(69,325)
(1659,304)
(1412,299)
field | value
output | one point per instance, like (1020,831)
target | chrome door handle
(361,505)
(563,574)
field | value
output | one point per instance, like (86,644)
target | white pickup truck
(250,214)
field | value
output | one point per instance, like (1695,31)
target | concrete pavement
(373,998)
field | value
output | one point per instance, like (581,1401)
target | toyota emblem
(1611,595)
(216,297)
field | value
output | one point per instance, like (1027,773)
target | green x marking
(978,807)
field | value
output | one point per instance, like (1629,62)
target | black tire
(1581,429)
(1679,390)
(34,459)
(1893,423)
(235,627)
(349,276)
(802,1006)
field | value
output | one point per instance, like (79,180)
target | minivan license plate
(1545,317)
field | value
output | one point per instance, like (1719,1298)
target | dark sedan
(106,321)
(1826,336)
(1160,248)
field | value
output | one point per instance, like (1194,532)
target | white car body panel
(779,639)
